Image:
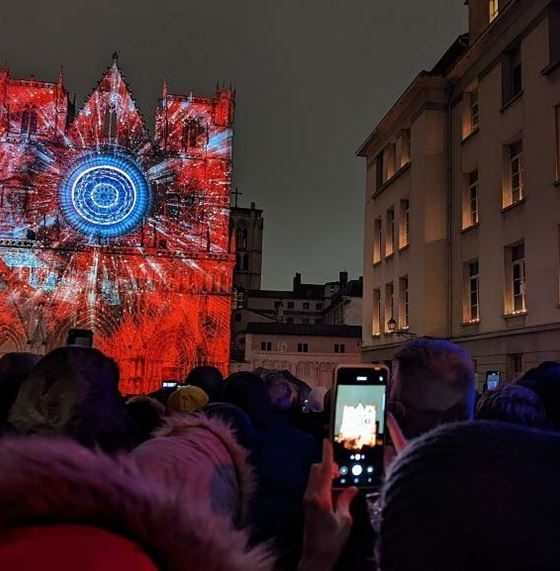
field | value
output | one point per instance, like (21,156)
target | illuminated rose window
(105,195)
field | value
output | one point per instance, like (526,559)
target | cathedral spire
(115,58)
(164,89)
(61,77)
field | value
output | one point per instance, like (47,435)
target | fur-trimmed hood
(202,455)
(49,481)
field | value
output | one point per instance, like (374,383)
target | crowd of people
(237,473)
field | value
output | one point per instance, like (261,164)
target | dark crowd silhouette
(236,473)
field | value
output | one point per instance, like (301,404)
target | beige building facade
(462,209)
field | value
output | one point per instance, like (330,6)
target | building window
(377,241)
(389,303)
(403,303)
(514,190)
(278,304)
(475,116)
(29,122)
(195,133)
(306,305)
(238,317)
(242,237)
(493,10)
(390,241)
(512,75)
(290,305)
(403,148)
(305,320)
(472,293)
(517,363)
(319,306)
(516,285)
(339,348)
(404,225)
(377,322)
(470,205)
(379,170)
(390,161)
(289,320)
(303,348)
(266,345)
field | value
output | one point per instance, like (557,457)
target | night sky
(313,77)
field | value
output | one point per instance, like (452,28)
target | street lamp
(392,328)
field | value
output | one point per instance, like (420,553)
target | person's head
(248,391)
(283,394)
(433,384)
(208,378)
(147,413)
(74,391)
(316,399)
(14,368)
(514,404)
(187,399)
(461,496)
(544,380)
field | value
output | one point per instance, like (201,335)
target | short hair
(514,404)
(435,383)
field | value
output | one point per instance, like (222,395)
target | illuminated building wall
(103,227)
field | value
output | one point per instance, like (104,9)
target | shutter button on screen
(356,469)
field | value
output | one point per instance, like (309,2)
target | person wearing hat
(187,399)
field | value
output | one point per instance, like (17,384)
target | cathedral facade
(106,228)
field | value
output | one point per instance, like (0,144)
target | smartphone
(493,380)
(80,337)
(169,384)
(358,424)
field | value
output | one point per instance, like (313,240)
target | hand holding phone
(358,424)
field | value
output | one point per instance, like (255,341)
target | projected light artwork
(104,227)
(105,196)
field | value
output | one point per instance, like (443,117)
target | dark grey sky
(312,76)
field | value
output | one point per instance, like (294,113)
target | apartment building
(462,211)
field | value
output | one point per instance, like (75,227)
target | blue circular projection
(105,195)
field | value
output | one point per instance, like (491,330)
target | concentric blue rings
(105,195)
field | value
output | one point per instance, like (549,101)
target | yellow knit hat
(187,399)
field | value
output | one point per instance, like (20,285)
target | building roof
(304,330)
(316,293)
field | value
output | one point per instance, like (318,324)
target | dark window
(29,122)
(238,317)
(379,170)
(512,74)
(290,305)
(306,306)
(195,133)
(318,306)
(303,348)
(289,320)
(305,321)
(277,304)
(339,348)
(266,345)
(518,363)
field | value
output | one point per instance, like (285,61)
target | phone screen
(493,380)
(169,384)
(358,425)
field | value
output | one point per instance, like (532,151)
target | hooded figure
(14,367)
(202,456)
(208,378)
(64,507)
(73,391)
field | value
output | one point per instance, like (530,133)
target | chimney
(297,281)
(253,206)
(343,278)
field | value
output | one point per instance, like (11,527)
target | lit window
(389,302)
(377,313)
(404,226)
(390,241)
(475,110)
(303,348)
(403,302)
(516,172)
(377,241)
(470,208)
(517,280)
(266,345)
(493,10)
(472,309)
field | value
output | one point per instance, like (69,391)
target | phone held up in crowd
(357,428)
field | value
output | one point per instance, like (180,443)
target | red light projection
(103,227)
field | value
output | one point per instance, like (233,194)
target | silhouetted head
(545,381)
(433,384)
(514,404)
(209,379)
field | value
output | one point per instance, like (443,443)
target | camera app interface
(358,433)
